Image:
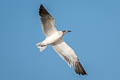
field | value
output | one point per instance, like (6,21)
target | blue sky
(95,37)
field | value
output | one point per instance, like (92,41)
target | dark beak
(69,31)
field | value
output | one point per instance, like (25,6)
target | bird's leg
(41,45)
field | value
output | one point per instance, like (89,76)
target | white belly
(51,39)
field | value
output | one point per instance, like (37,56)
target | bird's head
(66,31)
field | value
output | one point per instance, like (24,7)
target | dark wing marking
(48,25)
(67,53)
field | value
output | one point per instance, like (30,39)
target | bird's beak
(69,31)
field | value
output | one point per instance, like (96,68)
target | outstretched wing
(48,25)
(68,55)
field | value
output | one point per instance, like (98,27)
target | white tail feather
(42,48)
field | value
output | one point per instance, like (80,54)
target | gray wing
(48,25)
(67,53)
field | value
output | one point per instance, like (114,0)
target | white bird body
(54,38)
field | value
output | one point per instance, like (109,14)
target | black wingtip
(79,69)
(41,6)
(43,11)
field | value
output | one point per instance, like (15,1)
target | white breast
(53,38)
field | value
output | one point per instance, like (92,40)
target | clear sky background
(95,37)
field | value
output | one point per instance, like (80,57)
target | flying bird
(54,38)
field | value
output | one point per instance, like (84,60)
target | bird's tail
(42,47)
(78,68)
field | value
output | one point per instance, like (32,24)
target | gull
(54,38)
